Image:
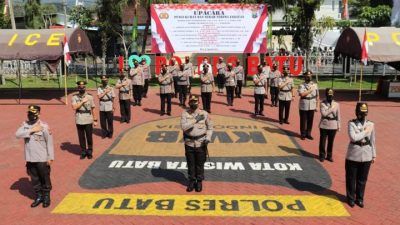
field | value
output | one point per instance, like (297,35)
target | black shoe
(38,200)
(169,113)
(89,156)
(162,113)
(360,203)
(309,137)
(303,137)
(83,155)
(209,111)
(321,159)
(329,159)
(199,186)
(287,122)
(134,103)
(350,203)
(190,186)
(139,104)
(261,114)
(110,135)
(128,121)
(255,114)
(280,122)
(46,200)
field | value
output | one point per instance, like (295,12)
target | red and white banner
(209,28)
(67,55)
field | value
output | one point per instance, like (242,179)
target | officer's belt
(309,98)
(259,85)
(361,144)
(122,92)
(84,111)
(329,118)
(285,90)
(205,83)
(194,137)
(166,84)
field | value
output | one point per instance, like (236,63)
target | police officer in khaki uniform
(173,69)
(39,154)
(207,88)
(260,87)
(309,100)
(230,84)
(197,131)
(329,125)
(147,77)
(124,86)
(274,85)
(361,152)
(189,66)
(183,83)
(85,118)
(266,70)
(221,70)
(137,80)
(286,96)
(106,96)
(166,89)
(239,71)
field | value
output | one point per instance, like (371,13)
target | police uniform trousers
(230,90)
(206,100)
(284,110)
(166,100)
(183,90)
(274,91)
(145,87)
(125,107)
(238,89)
(259,103)
(85,135)
(356,179)
(176,86)
(40,176)
(190,85)
(325,134)
(137,93)
(306,122)
(106,123)
(195,157)
(220,81)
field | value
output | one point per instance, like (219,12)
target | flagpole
(65,65)
(361,78)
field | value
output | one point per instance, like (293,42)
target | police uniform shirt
(274,78)
(173,70)
(124,91)
(285,94)
(106,103)
(188,66)
(330,117)
(357,134)
(221,68)
(209,67)
(266,70)
(230,78)
(83,115)
(137,76)
(308,102)
(166,85)
(183,77)
(206,86)
(146,71)
(239,72)
(38,146)
(196,133)
(259,89)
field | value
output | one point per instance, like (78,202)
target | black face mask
(193,106)
(32,118)
(307,79)
(104,83)
(361,116)
(329,98)
(81,90)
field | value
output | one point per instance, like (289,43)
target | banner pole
(65,65)
(361,79)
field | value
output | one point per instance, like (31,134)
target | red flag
(67,56)
(364,49)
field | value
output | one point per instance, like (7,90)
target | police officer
(207,88)
(183,83)
(106,96)
(137,77)
(329,124)
(266,70)
(286,96)
(309,101)
(39,154)
(124,86)
(189,66)
(274,85)
(147,77)
(85,118)
(197,131)
(173,69)
(260,87)
(166,89)
(221,70)
(230,84)
(239,71)
(361,152)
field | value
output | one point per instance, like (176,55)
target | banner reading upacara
(209,28)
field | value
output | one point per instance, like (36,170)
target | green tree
(47,11)
(33,14)
(375,16)
(82,16)
(4,19)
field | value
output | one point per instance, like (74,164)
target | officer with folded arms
(106,96)
(197,131)
(39,154)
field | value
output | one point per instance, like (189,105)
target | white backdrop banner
(209,28)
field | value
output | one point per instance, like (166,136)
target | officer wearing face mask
(285,96)
(197,131)
(106,96)
(309,101)
(361,152)
(85,118)
(166,90)
(329,125)
(124,86)
(207,88)
(39,154)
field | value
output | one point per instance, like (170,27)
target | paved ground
(68,172)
